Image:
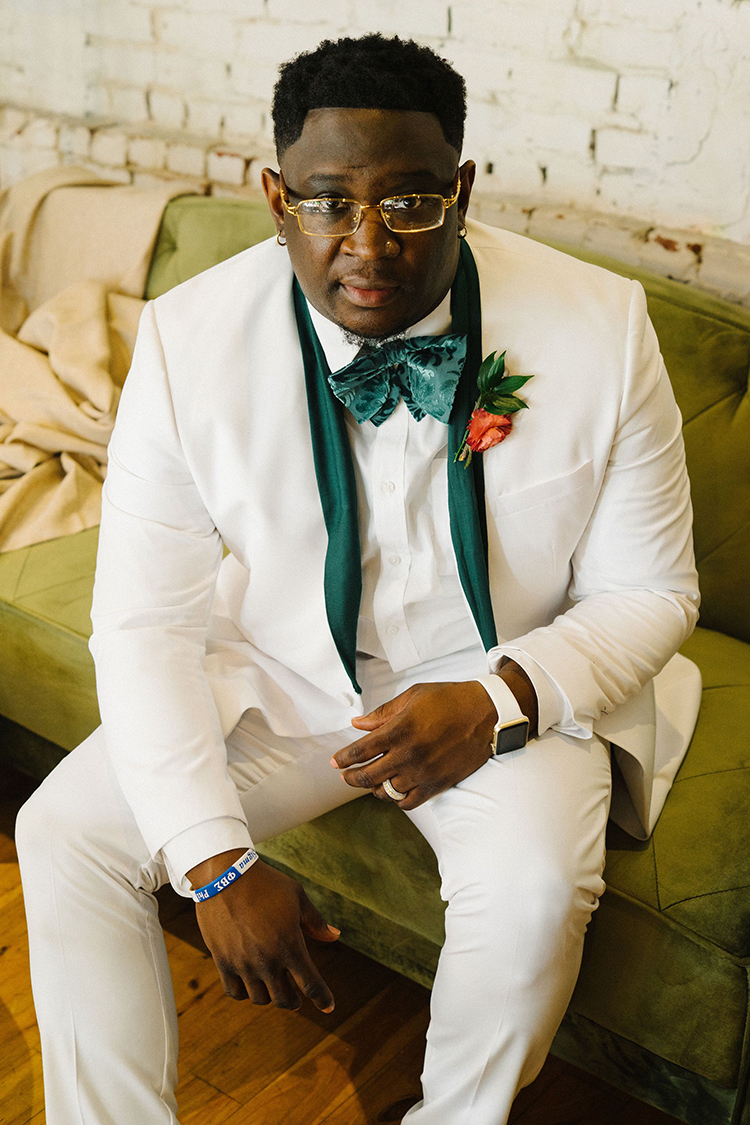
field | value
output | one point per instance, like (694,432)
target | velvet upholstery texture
(661,1007)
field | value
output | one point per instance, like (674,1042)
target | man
(352,632)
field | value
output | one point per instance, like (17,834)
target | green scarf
(342,581)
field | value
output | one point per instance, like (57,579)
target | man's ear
(466,174)
(270,181)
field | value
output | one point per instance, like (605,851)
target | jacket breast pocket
(561,489)
(533,533)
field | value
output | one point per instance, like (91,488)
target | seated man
(401,613)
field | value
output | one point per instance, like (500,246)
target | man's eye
(326,206)
(404,203)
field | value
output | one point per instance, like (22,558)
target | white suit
(592,581)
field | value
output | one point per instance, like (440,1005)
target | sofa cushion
(691,870)
(47,674)
(197,232)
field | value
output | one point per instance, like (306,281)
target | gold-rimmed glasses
(332,217)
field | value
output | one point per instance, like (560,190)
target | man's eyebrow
(323,181)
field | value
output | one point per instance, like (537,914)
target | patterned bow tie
(423,370)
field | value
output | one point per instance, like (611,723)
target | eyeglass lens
(341,216)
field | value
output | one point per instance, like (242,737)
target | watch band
(512,727)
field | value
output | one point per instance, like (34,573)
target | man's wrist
(515,678)
(212,867)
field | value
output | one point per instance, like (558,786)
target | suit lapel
(342,578)
(336,483)
(468,517)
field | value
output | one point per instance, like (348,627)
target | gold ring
(392,792)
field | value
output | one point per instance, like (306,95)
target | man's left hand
(430,737)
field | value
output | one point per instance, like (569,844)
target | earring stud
(281,238)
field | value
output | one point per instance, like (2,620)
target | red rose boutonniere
(491,420)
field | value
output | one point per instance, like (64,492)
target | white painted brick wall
(109,148)
(638,108)
(147,152)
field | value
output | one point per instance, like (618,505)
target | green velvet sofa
(661,1007)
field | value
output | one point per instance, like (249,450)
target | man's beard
(369,343)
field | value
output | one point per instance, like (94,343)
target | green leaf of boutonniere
(490,373)
(505,404)
(513,383)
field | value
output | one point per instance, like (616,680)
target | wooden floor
(262,1066)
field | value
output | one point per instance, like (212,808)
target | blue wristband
(227,877)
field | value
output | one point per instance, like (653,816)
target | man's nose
(372,239)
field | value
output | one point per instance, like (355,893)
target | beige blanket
(74,255)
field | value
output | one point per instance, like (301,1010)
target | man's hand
(430,737)
(255,930)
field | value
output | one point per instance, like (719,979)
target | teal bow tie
(423,370)
(334,470)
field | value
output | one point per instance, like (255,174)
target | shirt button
(392,630)
(388,486)
(394,560)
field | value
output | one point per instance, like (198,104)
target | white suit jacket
(588,508)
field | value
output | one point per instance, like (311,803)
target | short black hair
(372,72)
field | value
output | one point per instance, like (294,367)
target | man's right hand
(255,931)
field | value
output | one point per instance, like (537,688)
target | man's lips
(369,294)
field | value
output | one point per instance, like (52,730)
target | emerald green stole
(342,580)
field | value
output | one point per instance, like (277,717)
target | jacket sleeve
(634,587)
(159,555)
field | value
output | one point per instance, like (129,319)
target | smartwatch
(512,727)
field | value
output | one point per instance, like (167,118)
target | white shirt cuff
(189,848)
(555,710)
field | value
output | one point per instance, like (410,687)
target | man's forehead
(341,140)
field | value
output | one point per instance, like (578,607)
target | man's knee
(548,893)
(70,806)
(46,815)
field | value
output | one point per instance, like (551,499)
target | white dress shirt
(413,608)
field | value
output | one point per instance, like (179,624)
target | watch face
(512,737)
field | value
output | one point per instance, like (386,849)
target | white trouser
(520,846)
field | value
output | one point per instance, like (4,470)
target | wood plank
(386,1094)
(271,1040)
(206,1016)
(371,1040)
(198,1103)
(22,1094)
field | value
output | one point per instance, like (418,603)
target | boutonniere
(491,419)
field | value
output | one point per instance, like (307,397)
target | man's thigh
(531,815)
(284,782)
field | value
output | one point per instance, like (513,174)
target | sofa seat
(47,677)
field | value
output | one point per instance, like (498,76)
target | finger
(381,714)
(413,799)
(313,922)
(373,774)
(366,723)
(257,991)
(372,744)
(363,750)
(233,985)
(282,991)
(310,982)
